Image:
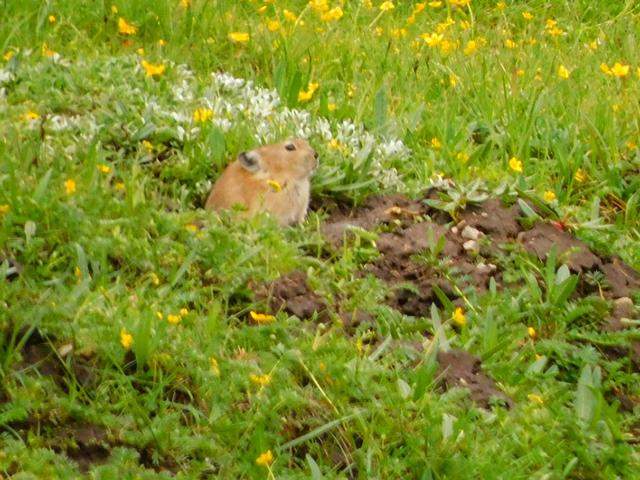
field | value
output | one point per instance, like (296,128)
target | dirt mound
(461,369)
(622,280)
(292,294)
(493,219)
(375,211)
(544,236)
(471,248)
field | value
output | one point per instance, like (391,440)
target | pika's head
(293,159)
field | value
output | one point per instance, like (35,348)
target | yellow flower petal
(265,459)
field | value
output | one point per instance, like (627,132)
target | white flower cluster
(260,106)
(235,102)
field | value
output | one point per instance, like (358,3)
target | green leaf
(316,473)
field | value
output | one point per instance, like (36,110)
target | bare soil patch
(461,369)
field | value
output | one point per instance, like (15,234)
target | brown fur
(247,185)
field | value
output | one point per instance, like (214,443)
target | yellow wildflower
(446,47)
(70,186)
(319,6)
(515,164)
(535,398)
(532,333)
(31,115)
(202,114)
(274,185)
(265,459)
(273,25)
(332,15)
(459,317)
(520,72)
(119,185)
(114,9)
(52,19)
(501,6)
(239,37)
(9,55)
(462,157)
(527,15)
(332,107)
(262,380)
(147,145)
(126,339)
(191,227)
(620,70)
(465,25)
(510,43)
(4,209)
(184,312)
(215,368)
(162,42)
(432,39)
(436,144)
(125,28)
(460,3)
(580,175)
(104,168)
(174,319)
(262,9)
(471,47)
(153,69)
(140,51)
(46,51)
(435,4)
(386,6)
(289,15)
(563,72)
(185,3)
(604,68)
(549,196)
(631,145)
(159,315)
(262,318)
(155,279)
(306,95)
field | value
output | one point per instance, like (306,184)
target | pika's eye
(290,146)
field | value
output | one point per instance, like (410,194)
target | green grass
(132,240)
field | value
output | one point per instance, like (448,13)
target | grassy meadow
(134,342)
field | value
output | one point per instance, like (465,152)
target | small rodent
(272,178)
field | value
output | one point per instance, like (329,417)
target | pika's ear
(250,161)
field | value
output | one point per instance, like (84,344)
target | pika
(272,178)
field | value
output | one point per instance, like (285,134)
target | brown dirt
(544,236)
(461,369)
(396,266)
(622,280)
(406,234)
(85,444)
(495,220)
(55,359)
(292,294)
(375,211)
(622,308)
